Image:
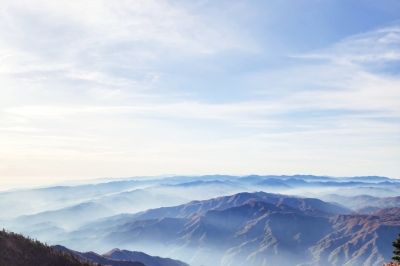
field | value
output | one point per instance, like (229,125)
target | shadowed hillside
(193,208)
(148,260)
(118,257)
(16,250)
(253,229)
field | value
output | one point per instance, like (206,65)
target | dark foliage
(396,251)
(17,250)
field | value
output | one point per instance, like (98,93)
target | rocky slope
(258,229)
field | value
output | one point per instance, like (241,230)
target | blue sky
(124,88)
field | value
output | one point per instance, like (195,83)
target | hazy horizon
(77,182)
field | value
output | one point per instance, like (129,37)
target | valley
(217,220)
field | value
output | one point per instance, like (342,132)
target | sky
(92,89)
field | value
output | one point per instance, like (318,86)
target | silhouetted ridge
(91,256)
(17,250)
(310,205)
(143,257)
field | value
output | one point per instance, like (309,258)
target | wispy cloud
(134,85)
(375,46)
(348,76)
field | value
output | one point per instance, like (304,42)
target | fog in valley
(215,220)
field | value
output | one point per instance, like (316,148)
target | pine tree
(396,251)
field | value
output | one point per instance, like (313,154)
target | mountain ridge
(250,231)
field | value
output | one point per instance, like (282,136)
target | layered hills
(118,257)
(362,201)
(118,254)
(254,229)
(193,208)
(215,220)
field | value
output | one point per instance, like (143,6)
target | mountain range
(214,220)
(117,257)
(246,228)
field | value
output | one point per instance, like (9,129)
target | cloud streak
(155,87)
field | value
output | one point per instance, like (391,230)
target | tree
(396,251)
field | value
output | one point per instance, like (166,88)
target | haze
(214,220)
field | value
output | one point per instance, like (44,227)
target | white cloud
(345,77)
(99,45)
(230,112)
(101,88)
(138,28)
(375,46)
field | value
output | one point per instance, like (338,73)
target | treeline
(17,250)
(396,253)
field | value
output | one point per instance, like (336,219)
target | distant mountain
(48,232)
(204,239)
(16,250)
(221,231)
(200,189)
(135,201)
(353,203)
(367,178)
(380,192)
(309,181)
(29,201)
(308,205)
(76,215)
(367,210)
(272,183)
(32,201)
(186,179)
(112,259)
(302,177)
(202,225)
(65,217)
(201,183)
(118,254)
(251,233)
(363,201)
